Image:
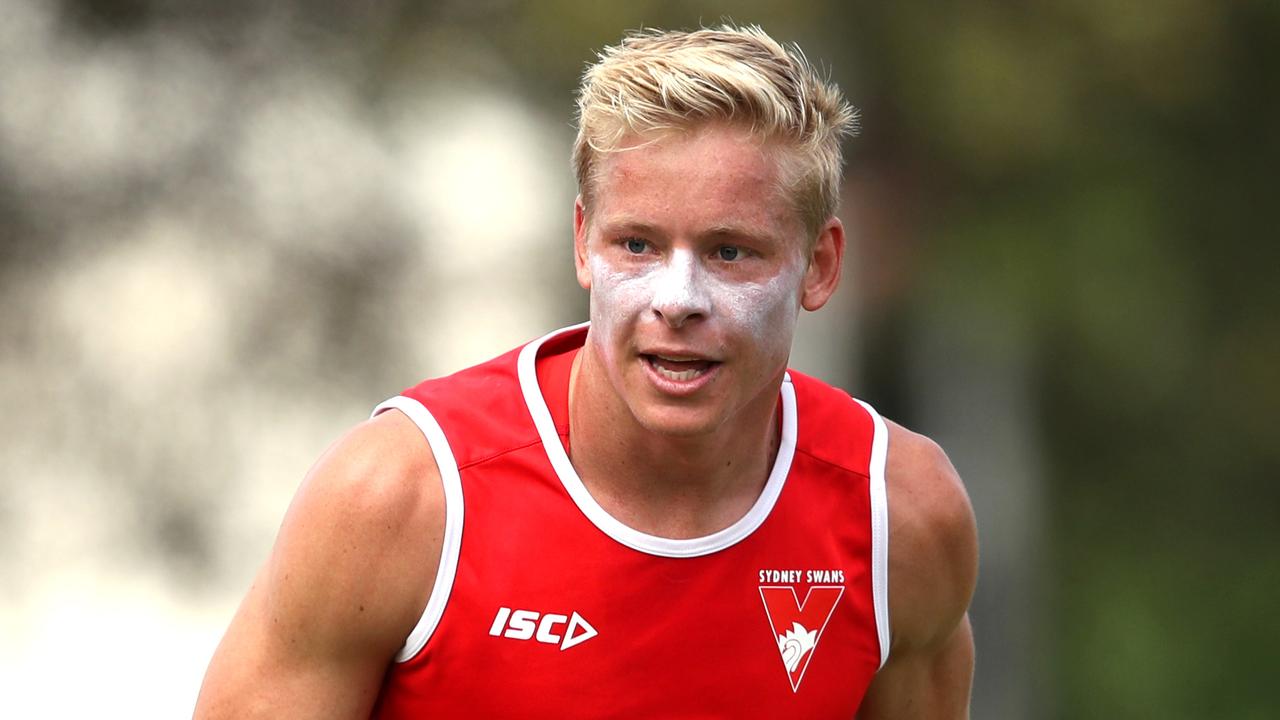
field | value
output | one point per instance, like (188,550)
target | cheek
(766,308)
(616,297)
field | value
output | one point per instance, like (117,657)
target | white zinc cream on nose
(680,288)
(681,283)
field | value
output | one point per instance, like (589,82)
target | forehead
(696,181)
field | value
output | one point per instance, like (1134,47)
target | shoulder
(380,477)
(380,471)
(933,545)
(357,550)
(347,580)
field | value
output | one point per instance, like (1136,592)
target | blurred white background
(221,262)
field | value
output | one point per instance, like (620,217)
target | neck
(676,486)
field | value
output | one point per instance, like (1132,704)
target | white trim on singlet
(452,521)
(879,532)
(628,536)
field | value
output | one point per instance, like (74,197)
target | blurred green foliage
(1100,177)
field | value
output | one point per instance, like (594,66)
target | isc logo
(527,624)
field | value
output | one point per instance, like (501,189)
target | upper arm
(933,566)
(346,581)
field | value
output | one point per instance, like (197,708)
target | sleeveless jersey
(545,606)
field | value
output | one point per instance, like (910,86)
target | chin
(677,422)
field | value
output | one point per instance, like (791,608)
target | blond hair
(657,82)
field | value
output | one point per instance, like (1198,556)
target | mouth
(679,368)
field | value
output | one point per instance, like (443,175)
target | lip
(678,388)
(674,353)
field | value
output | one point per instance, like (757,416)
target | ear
(823,276)
(580,244)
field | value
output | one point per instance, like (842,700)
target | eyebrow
(627,225)
(734,231)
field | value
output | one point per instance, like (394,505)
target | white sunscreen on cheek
(617,298)
(764,311)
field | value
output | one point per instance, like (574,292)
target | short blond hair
(656,82)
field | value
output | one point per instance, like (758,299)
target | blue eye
(636,245)
(729,253)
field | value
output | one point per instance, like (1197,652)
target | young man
(647,516)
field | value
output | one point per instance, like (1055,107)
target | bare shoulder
(933,566)
(370,513)
(379,479)
(347,579)
(933,544)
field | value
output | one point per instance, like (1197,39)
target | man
(647,516)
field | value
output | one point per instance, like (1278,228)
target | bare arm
(933,566)
(347,580)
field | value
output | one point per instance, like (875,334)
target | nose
(680,293)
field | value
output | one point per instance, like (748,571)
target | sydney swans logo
(797,626)
(796,644)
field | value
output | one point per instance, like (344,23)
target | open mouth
(679,369)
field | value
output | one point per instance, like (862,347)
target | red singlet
(545,606)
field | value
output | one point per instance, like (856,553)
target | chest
(550,617)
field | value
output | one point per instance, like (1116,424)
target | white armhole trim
(452,521)
(879,532)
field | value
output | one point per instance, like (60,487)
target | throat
(676,487)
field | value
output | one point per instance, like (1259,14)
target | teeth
(682,376)
(699,367)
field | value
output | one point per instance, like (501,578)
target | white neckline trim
(452,546)
(879,532)
(624,534)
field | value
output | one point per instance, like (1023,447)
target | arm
(346,582)
(933,566)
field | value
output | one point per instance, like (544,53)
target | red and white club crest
(797,626)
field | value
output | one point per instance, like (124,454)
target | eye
(636,246)
(729,253)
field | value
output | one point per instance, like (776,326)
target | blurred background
(227,230)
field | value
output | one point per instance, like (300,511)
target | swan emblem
(795,644)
